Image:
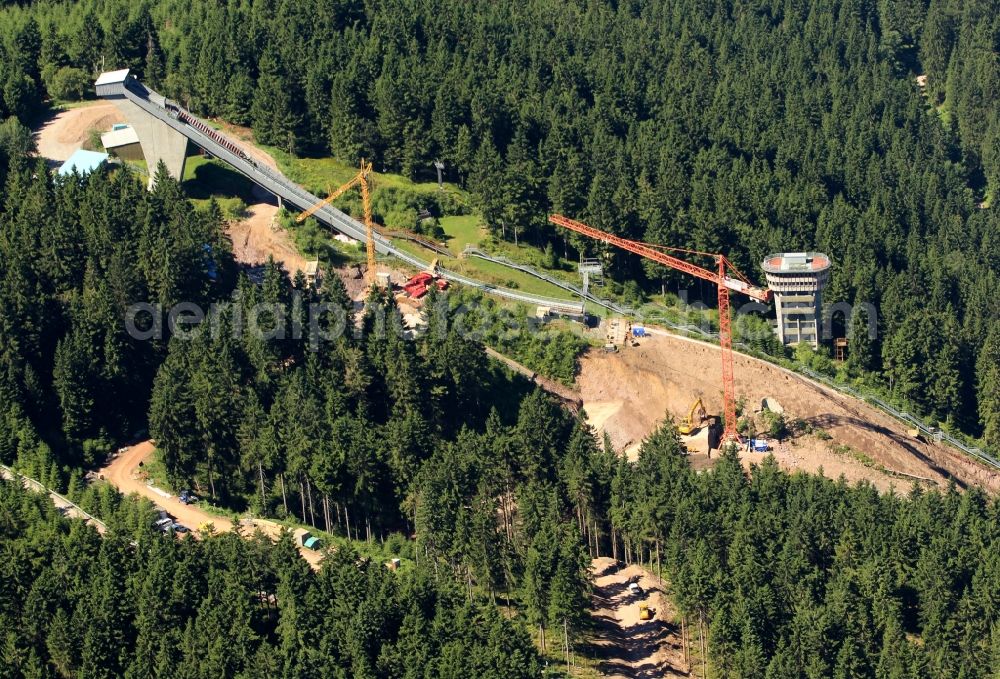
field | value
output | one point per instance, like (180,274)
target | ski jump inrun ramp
(164,128)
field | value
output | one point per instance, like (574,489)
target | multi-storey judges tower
(797,280)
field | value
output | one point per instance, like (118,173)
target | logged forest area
(461,518)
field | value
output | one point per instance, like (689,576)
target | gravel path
(65,132)
(122,474)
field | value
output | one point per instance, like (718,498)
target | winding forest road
(627,647)
(122,474)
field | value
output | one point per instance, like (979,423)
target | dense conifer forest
(744,127)
(138,604)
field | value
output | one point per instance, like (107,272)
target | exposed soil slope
(257,236)
(629,393)
(65,132)
(630,648)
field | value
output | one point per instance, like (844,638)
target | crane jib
(724,284)
(759,294)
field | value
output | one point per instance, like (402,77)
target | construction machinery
(689,424)
(310,541)
(645,613)
(726,278)
(417,286)
(361,180)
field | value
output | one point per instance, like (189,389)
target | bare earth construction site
(627,394)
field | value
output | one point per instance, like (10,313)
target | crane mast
(361,180)
(724,281)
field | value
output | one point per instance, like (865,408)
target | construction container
(310,541)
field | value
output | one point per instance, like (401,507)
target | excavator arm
(689,424)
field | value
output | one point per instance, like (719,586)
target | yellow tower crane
(360,179)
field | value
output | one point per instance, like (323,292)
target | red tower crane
(726,278)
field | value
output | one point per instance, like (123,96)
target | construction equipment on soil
(689,425)
(645,613)
(726,278)
(620,333)
(310,541)
(418,285)
(360,180)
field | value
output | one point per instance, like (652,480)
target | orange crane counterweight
(723,280)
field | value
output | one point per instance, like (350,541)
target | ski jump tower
(159,141)
(797,280)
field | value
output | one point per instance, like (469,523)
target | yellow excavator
(689,424)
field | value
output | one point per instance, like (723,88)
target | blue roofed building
(83,162)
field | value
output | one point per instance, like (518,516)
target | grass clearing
(500,275)
(462,230)
(207,178)
(156,472)
(322,175)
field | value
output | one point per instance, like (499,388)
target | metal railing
(936,434)
(473,251)
(231,153)
(40,487)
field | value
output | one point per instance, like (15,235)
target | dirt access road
(628,394)
(122,473)
(630,648)
(66,131)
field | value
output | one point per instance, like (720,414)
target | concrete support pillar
(158,141)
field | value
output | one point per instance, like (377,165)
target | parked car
(164,523)
(634,588)
(187,497)
(179,528)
